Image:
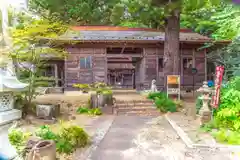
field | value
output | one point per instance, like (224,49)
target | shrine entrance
(123,65)
(121,77)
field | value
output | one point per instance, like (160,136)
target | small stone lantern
(8,85)
(205,113)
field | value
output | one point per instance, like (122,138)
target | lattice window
(6,102)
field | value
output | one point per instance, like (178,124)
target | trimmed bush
(163,103)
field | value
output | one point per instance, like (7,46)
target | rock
(73,117)
(100,100)
(48,111)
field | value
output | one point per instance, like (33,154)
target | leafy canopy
(210,17)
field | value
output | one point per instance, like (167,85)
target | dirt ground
(75,98)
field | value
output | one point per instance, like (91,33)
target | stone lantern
(8,85)
(205,113)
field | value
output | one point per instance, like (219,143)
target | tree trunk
(171,45)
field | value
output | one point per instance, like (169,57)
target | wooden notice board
(173,85)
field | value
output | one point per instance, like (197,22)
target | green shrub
(94,111)
(82,110)
(209,126)
(67,139)
(227,136)
(18,139)
(75,135)
(154,95)
(163,103)
(227,115)
(45,133)
(198,104)
(82,87)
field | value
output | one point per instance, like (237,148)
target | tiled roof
(105,33)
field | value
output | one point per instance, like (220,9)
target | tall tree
(165,14)
(29,52)
(152,13)
(81,12)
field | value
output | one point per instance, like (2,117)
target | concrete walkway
(147,138)
(120,138)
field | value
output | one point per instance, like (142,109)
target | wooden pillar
(122,79)
(56,74)
(206,69)
(133,74)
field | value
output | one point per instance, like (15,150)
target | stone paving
(148,138)
(138,138)
(119,138)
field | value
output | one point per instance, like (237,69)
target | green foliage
(208,127)
(45,133)
(228,22)
(18,139)
(154,95)
(83,110)
(163,103)
(78,12)
(229,57)
(28,49)
(226,118)
(227,136)
(101,88)
(198,104)
(75,135)
(131,13)
(67,139)
(82,87)
(94,111)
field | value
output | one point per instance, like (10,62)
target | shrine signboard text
(173,85)
(217,84)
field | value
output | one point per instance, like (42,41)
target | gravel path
(147,138)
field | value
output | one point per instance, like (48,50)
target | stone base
(205,117)
(55,90)
(10,116)
(47,111)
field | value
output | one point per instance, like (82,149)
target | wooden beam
(123,48)
(123,55)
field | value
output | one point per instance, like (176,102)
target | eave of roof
(112,34)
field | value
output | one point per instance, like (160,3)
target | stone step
(138,108)
(137,101)
(134,104)
(141,113)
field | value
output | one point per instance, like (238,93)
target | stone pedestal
(205,117)
(47,111)
(10,116)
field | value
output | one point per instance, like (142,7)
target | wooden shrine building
(127,57)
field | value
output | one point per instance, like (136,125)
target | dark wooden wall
(146,69)
(75,74)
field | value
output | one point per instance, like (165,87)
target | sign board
(173,85)
(218,81)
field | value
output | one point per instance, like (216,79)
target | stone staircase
(136,107)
